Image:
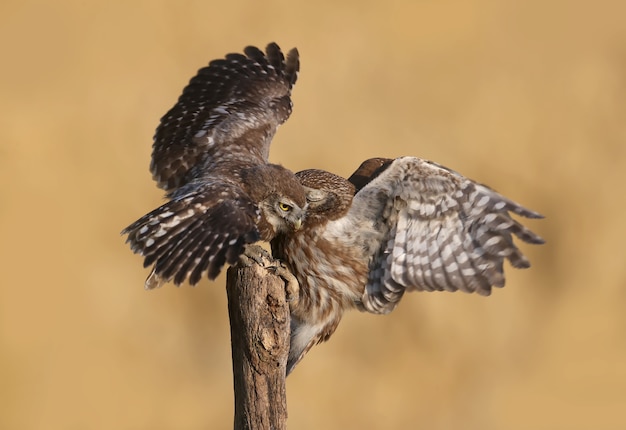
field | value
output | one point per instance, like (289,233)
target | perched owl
(210,154)
(397,225)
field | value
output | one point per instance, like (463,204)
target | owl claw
(260,256)
(257,254)
(292,287)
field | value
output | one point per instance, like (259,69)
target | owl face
(283,213)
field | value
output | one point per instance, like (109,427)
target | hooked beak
(298,224)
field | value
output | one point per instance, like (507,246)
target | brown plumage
(412,225)
(367,171)
(210,154)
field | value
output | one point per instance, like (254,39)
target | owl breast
(332,278)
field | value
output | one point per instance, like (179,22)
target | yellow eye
(284,207)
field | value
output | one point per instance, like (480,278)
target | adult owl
(210,154)
(396,225)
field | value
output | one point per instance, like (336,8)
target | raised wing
(228,113)
(444,232)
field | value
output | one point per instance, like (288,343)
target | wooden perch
(259,330)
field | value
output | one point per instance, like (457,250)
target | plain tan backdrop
(528,97)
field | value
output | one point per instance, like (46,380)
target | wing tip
(368,171)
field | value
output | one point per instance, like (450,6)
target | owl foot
(256,254)
(292,287)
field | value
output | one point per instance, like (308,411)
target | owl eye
(284,207)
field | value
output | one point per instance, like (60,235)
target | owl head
(328,196)
(280,196)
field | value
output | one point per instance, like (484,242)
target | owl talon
(260,256)
(257,254)
(292,287)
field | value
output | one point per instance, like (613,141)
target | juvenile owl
(397,225)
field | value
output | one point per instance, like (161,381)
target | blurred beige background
(529,97)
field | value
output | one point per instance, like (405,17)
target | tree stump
(259,329)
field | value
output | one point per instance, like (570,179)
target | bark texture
(259,328)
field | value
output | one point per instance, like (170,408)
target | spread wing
(196,233)
(228,113)
(441,232)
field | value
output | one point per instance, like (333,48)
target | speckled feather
(181,238)
(228,113)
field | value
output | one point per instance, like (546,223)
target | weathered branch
(259,329)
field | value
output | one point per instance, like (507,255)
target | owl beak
(298,224)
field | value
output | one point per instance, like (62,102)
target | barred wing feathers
(442,232)
(193,234)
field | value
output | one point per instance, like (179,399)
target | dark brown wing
(227,115)
(196,233)
(367,171)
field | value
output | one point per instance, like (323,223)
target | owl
(395,226)
(210,154)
